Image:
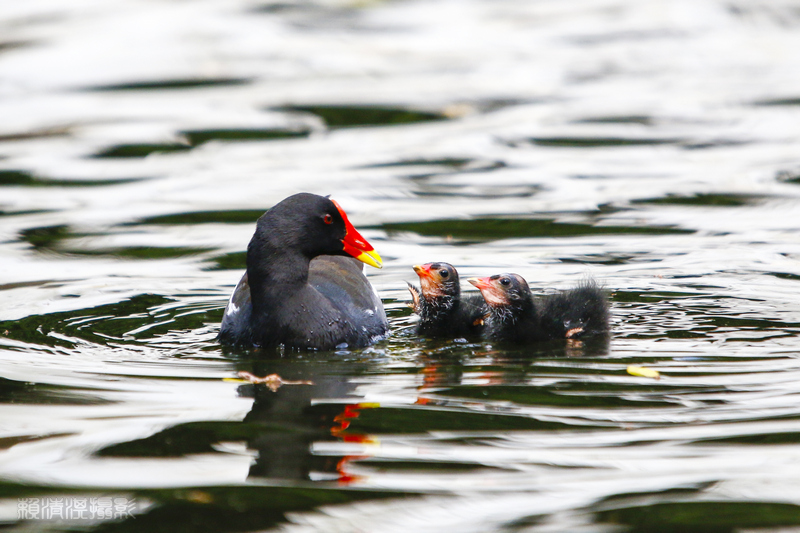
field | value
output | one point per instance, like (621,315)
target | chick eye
(444,273)
(505,282)
(328,219)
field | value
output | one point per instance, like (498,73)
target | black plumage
(443,311)
(303,289)
(516,316)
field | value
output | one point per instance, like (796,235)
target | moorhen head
(304,288)
(442,310)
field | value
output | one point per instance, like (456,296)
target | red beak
(423,271)
(432,285)
(355,244)
(493,294)
(481,283)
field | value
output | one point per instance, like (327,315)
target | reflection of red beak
(356,245)
(491,292)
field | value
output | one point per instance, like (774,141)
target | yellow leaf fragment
(643,372)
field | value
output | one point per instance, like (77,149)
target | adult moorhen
(516,317)
(304,287)
(442,310)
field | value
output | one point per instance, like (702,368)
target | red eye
(328,219)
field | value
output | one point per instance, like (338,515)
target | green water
(652,146)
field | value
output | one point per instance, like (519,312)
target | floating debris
(273,381)
(643,372)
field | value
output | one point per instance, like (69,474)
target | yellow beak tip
(372,258)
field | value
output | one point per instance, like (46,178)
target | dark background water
(654,146)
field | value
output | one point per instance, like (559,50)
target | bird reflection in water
(300,406)
(298,413)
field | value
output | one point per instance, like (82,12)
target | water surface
(652,146)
